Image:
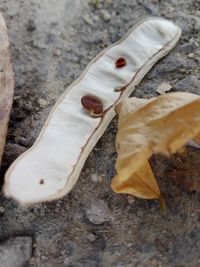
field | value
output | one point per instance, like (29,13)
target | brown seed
(93,105)
(41,181)
(120,63)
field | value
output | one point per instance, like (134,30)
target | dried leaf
(142,184)
(163,88)
(6,83)
(159,125)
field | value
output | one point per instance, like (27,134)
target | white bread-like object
(51,167)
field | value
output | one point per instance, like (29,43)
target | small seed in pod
(121,62)
(93,105)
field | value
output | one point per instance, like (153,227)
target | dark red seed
(41,181)
(92,103)
(120,63)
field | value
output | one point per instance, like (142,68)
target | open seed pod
(6,83)
(158,125)
(51,167)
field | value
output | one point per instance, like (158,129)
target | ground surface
(52,42)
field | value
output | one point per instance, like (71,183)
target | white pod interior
(51,167)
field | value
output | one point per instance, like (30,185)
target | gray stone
(15,252)
(57,52)
(31,26)
(188,84)
(91,237)
(105,15)
(187,47)
(42,102)
(98,212)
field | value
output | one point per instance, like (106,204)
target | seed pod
(93,105)
(69,134)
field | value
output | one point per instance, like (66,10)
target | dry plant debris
(164,88)
(158,125)
(70,132)
(6,83)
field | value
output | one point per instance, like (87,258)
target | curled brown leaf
(158,125)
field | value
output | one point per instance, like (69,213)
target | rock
(170,64)
(2,210)
(15,252)
(18,132)
(97,178)
(28,106)
(31,26)
(98,212)
(182,70)
(42,102)
(163,88)
(191,55)
(187,48)
(94,177)
(91,237)
(23,141)
(57,52)
(51,38)
(105,15)
(130,199)
(150,6)
(188,84)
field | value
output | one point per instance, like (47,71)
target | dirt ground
(52,42)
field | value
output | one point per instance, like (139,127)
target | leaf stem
(163,205)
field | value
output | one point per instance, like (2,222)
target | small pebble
(42,102)
(57,52)
(98,212)
(94,177)
(130,199)
(95,18)
(51,38)
(182,70)
(91,237)
(31,26)
(105,15)
(191,55)
(18,132)
(163,88)
(15,251)
(23,141)
(68,49)
(2,210)
(28,106)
